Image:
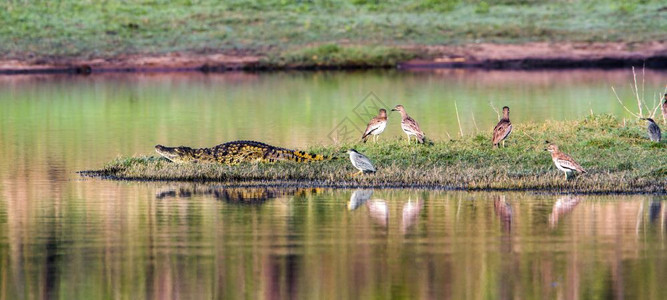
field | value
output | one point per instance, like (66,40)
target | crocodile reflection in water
(236,195)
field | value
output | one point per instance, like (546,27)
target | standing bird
(563,161)
(653,130)
(376,126)
(409,125)
(361,162)
(502,129)
(664,109)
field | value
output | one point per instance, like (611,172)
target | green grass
(619,159)
(41,30)
(329,56)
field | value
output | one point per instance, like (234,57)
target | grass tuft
(619,159)
(337,56)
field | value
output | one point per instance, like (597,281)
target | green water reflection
(159,241)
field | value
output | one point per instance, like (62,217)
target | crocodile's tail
(305,156)
(293,155)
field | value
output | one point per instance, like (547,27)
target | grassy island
(617,154)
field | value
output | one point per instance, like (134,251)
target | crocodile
(236,152)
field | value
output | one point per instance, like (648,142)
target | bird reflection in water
(654,210)
(233,195)
(378,209)
(358,198)
(411,210)
(563,206)
(504,211)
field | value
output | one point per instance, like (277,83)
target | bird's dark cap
(354,150)
(506,108)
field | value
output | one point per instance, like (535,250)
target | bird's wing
(567,162)
(363,163)
(501,131)
(373,125)
(654,129)
(411,125)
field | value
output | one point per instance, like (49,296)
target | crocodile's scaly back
(236,152)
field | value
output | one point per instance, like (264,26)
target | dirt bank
(653,55)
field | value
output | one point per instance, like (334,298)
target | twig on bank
(496,110)
(458,119)
(624,107)
(474,122)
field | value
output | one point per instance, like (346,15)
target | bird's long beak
(393,109)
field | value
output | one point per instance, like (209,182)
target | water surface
(101,239)
(62,236)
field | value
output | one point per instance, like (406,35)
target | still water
(62,236)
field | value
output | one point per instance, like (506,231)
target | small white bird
(361,162)
(564,162)
(409,125)
(376,126)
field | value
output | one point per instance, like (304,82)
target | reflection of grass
(618,158)
(68,28)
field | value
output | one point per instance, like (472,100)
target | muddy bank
(543,56)
(484,56)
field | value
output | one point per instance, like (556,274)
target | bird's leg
(408,139)
(504,144)
(375,138)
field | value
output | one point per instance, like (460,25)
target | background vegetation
(88,29)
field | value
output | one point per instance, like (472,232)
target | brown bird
(664,109)
(409,125)
(376,126)
(563,161)
(502,129)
